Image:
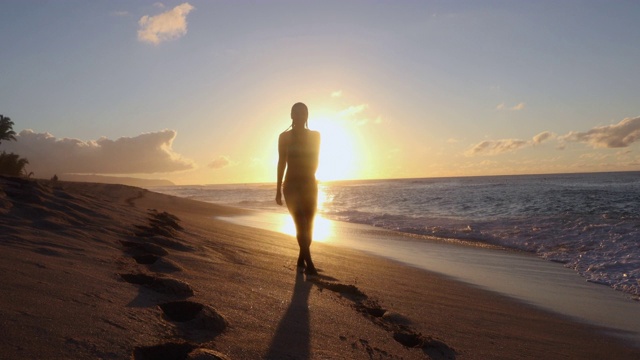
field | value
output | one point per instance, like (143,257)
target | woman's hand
(279,197)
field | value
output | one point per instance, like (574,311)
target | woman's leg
(301,202)
(297,219)
(304,233)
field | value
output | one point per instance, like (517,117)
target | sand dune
(116,272)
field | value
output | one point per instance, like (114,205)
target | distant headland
(116,180)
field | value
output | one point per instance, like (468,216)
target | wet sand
(519,275)
(115,272)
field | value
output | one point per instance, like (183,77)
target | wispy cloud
(220,162)
(355,114)
(495,147)
(542,137)
(517,107)
(336,94)
(146,153)
(168,25)
(619,135)
(353,110)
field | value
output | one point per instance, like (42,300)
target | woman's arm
(282,164)
(316,150)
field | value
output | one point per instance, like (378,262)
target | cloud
(168,25)
(355,114)
(542,137)
(517,107)
(336,94)
(146,153)
(353,110)
(495,147)
(220,162)
(358,115)
(619,135)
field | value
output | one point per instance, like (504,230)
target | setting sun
(339,149)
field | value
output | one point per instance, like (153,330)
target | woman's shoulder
(285,135)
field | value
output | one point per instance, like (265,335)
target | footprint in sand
(195,320)
(146,259)
(146,253)
(163,224)
(162,229)
(157,263)
(402,333)
(370,307)
(139,248)
(163,285)
(436,349)
(194,315)
(170,243)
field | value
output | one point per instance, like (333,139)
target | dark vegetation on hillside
(11,164)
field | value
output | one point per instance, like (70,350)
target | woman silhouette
(298,151)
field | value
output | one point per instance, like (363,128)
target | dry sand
(94,271)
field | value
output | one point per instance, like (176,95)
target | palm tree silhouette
(10,164)
(6,129)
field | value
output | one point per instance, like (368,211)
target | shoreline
(518,275)
(88,271)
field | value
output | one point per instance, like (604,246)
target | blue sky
(199,92)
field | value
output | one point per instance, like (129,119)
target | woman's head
(299,115)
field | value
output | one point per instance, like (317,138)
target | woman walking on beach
(298,151)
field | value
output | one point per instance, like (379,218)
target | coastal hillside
(131,181)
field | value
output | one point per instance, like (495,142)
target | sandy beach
(95,271)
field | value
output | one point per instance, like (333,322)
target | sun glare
(322,228)
(338,149)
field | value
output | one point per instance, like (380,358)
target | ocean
(588,222)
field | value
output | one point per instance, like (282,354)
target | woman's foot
(311,271)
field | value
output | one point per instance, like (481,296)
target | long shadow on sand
(292,338)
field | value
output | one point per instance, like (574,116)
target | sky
(197,92)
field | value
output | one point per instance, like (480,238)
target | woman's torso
(302,155)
